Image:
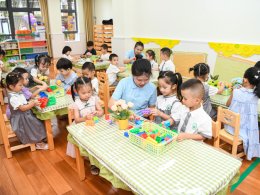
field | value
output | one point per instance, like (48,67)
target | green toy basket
(147,145)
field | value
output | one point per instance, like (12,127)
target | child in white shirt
(66,53)
(104,53)
(195,123)
(88,70)
(150,55)
(113,69)
(166,63)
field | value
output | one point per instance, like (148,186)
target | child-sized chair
(8,136)
(79,158)
(232,119)
(215,133)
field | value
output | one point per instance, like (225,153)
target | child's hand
(181,137)
(99,113)
(132,59)
(89,116)
(35,102)
(132,117)
(43,87)
(89,54)
(155,112)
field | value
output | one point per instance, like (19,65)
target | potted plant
(121,112)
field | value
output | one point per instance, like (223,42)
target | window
(19,15)
(69,19)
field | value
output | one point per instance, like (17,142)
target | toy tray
(226,92)
(151,147)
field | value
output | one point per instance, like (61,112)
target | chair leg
(80,164)
(32,146)
(234,149)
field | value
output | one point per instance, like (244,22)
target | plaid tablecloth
(98,65)
(191,167)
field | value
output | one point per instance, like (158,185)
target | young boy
(166,64)
(88,70)
(195,123)
(104,53)
(66,75)
(113,69)
(90,50)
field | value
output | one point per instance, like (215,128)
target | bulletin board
(231,67)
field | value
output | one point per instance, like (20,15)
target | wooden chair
(215,133)
(232,119)
(8,136)
(79,158)
(1,97)
(104,89)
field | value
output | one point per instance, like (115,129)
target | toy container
(226,92)
(57,91)
(148,143)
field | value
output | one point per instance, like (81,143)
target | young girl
(42,63)
(150,55)
(85,107)
(169,101)
(26,126)
(201,71)
(245,102)
(66,53)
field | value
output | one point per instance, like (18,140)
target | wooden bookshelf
(102,34)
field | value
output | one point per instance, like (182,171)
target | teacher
(134,54)
(137,88)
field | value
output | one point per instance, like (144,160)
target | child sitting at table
(113,69)
(195,123)
(26,126)
(85,108)
(169,102)
(201,71)
(41,68)
(166,63)
(66,53)
(104,53)
(150,55)
(257,65)
(67,76)
(90,50)
(88,70)
(245,102)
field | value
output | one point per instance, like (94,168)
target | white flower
(120,102)
(114,108)
(130,104)
(124,106)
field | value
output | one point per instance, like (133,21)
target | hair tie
(256,76)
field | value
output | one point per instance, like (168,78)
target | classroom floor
(52,172)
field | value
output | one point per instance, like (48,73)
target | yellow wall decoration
(229,49)
(162,42)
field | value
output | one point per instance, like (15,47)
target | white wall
(102,10)
(194,22)
(57,37)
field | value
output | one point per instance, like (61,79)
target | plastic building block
(146,112)
(96,119)
(49,89)
(167,124)
(51,101)
(138,122)
(151,140)
(141,133)
(152,136)
(126,134)
(135,130)
(53,87)
(43,94)
(107,117)
(90,123)
(158,139)
(130,127)
(110,122)
(144,135)
(43,101)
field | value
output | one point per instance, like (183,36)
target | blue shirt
(141,97)
(68,81)
(130,54)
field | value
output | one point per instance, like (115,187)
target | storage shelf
(32,47)
(34,53)
(11,55)
(23,41)
(102,35)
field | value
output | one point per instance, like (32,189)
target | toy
(56,91)
(90,122)
(51,101)
(126,134)
(107,117)
(145,112)
(95,119)
(237,82)
(167,124)
(214,80)
(43,94)
(43,101)
(58,82)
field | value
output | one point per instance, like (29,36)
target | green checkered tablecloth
(98,65)
(191,167)
(221,100)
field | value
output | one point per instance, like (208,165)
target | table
(221,100)
(98,65)
(46,114)
(190,167)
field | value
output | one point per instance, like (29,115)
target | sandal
(94,170)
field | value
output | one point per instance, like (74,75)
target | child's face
(165,88)
(188,98)
(148,57)
(18,87)
(85,92)
(25,79)
(1,57)
(64,72)
(114,61)
(88,73)
(142,80)
(163,56)
(43,67)
(103,51)
(89,48)
(138,50)
(68,53)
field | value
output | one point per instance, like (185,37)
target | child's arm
(36,80)
(28,106)
(99,109)
(121,69)
(128,61)
(156,112)
(79,119)
(221,89)
(38,90)
(229,99)
(183,136)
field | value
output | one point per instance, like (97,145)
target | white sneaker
(41,146)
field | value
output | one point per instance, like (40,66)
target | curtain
(45,16)
(87,8)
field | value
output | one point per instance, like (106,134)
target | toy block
(90,123)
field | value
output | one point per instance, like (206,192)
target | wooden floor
(52,172)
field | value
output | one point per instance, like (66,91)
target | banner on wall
(162,42)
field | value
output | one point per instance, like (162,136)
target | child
(113,69)
(42,63)
(104,53)
(195,123)
(150,55)
(26,126)
(90,50)
(132,55)
(66,53)
(66,75)
(166,63)
(85,107)
(88,70)
(201,72)
(257,65)
(169,101)
(245,102)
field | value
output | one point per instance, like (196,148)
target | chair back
(103,89)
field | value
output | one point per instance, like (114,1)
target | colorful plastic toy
(95,119)
(51,101)
(43,94)
(43,101)
(90,122)
(145,112)
(126,134)
(167,124)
